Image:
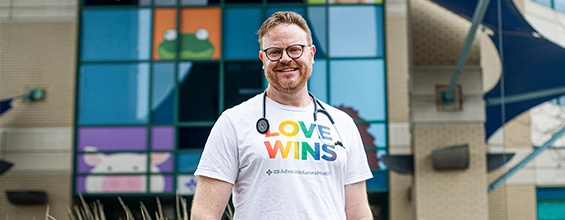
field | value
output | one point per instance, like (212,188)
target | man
(280,161)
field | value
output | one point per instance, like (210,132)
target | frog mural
(192,45)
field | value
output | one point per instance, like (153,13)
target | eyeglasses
(294,51)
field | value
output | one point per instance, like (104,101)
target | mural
(193,46)
(367,138)
(199,37)
(122,164)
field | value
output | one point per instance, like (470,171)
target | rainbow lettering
(301,150)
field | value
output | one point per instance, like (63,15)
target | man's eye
(276,52)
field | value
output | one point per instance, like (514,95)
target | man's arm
(356,202)
(210,199)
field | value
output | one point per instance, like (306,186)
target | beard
(288,85)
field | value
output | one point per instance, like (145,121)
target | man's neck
(299,99)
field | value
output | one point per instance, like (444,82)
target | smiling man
(283,154)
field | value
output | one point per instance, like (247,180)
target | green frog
(193,45)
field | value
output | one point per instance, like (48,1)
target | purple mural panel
(80,183)
(162,138)
(123,184)
(113,138)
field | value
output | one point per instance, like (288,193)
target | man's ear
(313,50)
(261,55)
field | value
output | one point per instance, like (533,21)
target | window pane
(372,159)
(319,80)
(126,39)
(124,162)
(285,1)
(360,85)
(551,209)
(379,182)
(199,2)
(544,2)
(163,93)
(112,138)
(240,28)
(559,6)
(243,1)
(186,184)
(299,10)
(111,2)
(187,162)
(162,138)
(113,94)
(356,31)
(161,184)
(318,27)
(123,184)
(198,98)
(161,162)
(193,137)
(243,81)
(344,2)
(201,38)
(164,2)
(164,34)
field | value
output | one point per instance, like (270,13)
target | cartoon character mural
(192,45)
(196,36)
(123,163)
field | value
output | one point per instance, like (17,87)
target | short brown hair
(284,17)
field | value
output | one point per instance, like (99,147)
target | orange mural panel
(201,30)
(164,26)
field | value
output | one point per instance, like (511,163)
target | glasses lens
(294,51)
(274,53)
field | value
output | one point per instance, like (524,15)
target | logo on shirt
(284,141)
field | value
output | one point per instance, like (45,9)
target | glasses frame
(286,49)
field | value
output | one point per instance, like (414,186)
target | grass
(95,211)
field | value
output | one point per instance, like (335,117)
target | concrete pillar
(448,194)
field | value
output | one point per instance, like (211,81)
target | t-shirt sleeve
(220,155)
(357,165)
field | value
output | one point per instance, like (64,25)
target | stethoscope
(263,124)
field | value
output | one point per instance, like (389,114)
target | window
(154,75)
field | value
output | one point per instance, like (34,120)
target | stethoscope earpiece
(262,125)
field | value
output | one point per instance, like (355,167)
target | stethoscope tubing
(263,124)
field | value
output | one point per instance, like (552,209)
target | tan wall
(438,36)
(521,202)
(400,203)
(458,194)
(497,204)
(42,55)
(37,136)
(57,186)
(397,62)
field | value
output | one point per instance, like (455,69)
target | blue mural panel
(318,83)
(128,38)
(356,31)
(113,94)
(359,84)
(240,28)
(163,93)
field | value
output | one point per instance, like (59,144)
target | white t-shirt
(287,173)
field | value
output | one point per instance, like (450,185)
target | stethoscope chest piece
(262,125)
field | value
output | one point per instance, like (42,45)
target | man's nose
(285,57)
